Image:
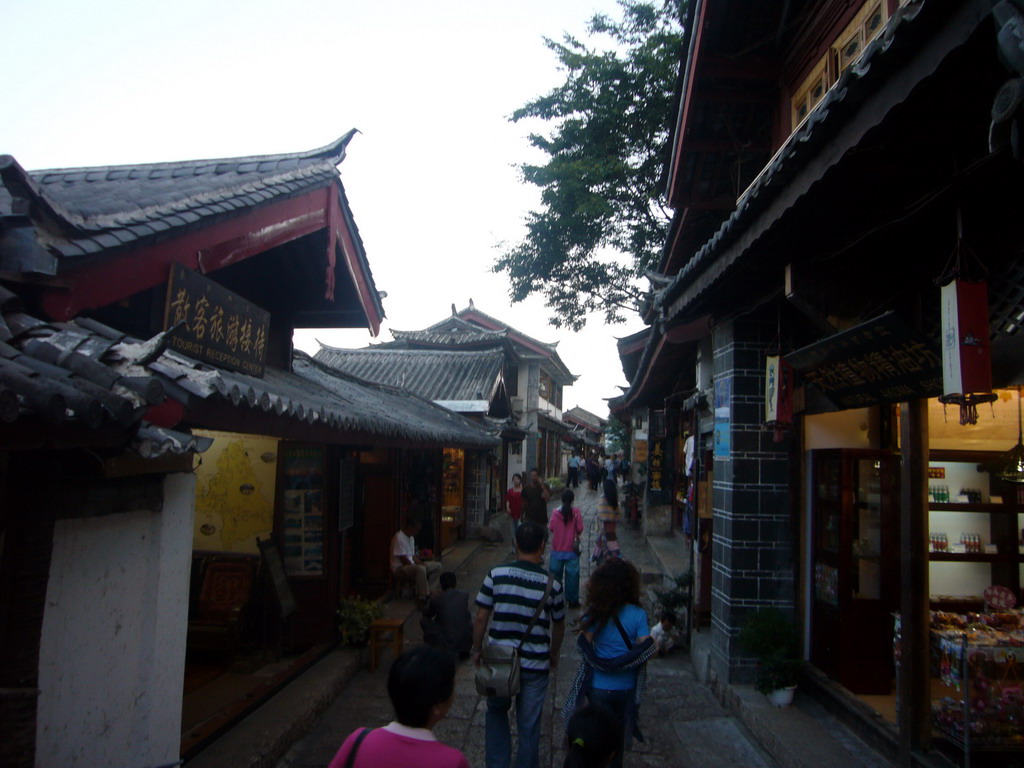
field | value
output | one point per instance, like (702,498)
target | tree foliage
(600,223)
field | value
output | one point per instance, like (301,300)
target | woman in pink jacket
(566,524)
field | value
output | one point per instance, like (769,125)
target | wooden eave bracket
(796,294)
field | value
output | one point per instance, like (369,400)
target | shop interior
(238,649)
(976,567)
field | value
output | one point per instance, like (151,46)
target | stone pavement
(683,723)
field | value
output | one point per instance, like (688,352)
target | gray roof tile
(313,394)
(93,201)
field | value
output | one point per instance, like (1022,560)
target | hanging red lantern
(778,394)
(966,356)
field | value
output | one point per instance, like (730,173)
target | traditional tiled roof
(94,209)
(584,418)
(83,373)
(527,344)
(880,58)
(437,375)
(452,332)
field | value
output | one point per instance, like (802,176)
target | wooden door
(378,522)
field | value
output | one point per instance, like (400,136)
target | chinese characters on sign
(881,361)
(215,325)
(655,470)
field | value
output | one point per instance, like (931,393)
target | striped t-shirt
(512,592)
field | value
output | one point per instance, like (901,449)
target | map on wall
(303,500)
(234,493)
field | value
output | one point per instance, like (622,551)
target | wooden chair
(219,621)
(385,632)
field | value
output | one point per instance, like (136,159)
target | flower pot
(782,697)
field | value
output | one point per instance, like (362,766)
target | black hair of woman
(611,493)
(612,585)
(567,499)
(421,682)
(594,735)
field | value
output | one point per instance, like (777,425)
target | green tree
(616,437)
(601,223)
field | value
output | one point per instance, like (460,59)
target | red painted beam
(115,277)
(110,279)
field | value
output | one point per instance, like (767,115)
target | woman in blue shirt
(616,628)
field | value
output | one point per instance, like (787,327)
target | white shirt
(402,545)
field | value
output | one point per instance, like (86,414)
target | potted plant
(354,618)
(772,637)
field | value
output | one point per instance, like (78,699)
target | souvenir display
(980,656)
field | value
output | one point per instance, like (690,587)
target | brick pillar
(753,537)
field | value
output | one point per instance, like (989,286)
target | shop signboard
(639,451)
(723,417)
(881,361)
(214,325)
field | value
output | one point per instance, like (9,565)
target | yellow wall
(235,492)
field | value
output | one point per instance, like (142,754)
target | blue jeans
(570,569)
(533,688)
(618,703)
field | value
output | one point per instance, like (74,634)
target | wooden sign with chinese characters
(655,472)
(214,325)
(880,361)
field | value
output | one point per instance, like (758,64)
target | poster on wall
(303,502)
(723,417)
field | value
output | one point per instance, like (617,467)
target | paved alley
(684,725)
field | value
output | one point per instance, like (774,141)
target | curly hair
(612,585)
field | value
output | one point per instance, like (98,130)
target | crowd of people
(524,605)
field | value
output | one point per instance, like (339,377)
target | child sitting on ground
(665,634)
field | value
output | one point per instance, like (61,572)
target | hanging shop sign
(778,391)
(723,417)
(214,325)
(881,361)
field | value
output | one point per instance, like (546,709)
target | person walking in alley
(535,500)
(593,472)
(514,507)
(608,517)
(421,686)
(574,463)
(507,599)
(614,647)
(566,525)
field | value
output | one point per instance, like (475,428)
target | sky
(431,178)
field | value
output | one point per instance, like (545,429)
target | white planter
(782,697)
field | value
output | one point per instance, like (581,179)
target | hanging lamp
(1011,468)
(966,356)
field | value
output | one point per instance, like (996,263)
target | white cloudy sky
(430,85)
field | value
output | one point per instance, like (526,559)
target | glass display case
(855,566)
(978,701)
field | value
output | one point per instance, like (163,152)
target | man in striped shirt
(508,598)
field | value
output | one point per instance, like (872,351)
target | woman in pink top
(566,524)
(421,685)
